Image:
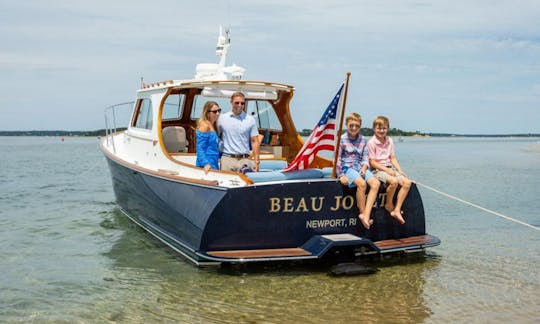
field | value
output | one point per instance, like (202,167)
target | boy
(385,167)
(352,168)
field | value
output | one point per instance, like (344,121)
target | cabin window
(143,116)
(264,114)
(261,110)
(198,105)
(173,107)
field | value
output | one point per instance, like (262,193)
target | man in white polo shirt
(237,129)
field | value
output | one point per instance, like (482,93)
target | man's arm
(255,147)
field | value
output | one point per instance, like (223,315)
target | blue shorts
(352,175)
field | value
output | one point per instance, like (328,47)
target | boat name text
(312,204)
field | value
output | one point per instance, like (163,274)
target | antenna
(222,47)
(212,71)
(228,13)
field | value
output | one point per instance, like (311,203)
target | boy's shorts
(383,176)
(352,175)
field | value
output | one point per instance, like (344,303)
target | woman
(207,139)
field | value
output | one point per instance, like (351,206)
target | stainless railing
(111,112)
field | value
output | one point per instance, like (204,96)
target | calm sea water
(68,255)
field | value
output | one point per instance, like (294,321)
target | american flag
(323,136)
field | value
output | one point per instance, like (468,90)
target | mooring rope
(479,207)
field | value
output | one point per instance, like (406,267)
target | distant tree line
(369,132)
(398,132)
(304,132)
(95,133)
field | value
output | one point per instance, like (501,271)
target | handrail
(109,131)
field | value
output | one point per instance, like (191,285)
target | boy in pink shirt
(386,168)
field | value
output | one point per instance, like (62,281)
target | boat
(225,217)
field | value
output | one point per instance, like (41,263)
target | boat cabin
(167,113)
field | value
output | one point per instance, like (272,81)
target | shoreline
(101,132)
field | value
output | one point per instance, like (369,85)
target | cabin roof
(214,87)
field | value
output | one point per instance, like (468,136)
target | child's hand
(402,173)
(344,180)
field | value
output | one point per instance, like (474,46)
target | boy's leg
(374,185)
(360,194)
(405,184)
(360,185)
(365,212)
(391,185)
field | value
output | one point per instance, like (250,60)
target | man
(237,129)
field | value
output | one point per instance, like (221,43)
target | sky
(456,66)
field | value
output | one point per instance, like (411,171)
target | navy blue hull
(195,218)
(288,215)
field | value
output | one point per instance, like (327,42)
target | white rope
(479,207)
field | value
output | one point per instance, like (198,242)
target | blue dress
(207,149)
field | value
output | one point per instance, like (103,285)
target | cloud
(412,60)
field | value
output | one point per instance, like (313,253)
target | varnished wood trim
(262,253)
(396,243)
(169,156)
(163,174)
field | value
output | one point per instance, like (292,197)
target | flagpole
(340,125)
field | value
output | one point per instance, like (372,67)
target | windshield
(261,110)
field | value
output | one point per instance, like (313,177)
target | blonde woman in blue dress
(207,139)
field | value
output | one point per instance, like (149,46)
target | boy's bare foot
(397,215)
(366,221)
(389,208)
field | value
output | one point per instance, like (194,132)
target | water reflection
(148,283)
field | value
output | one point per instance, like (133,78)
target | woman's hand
(256,166)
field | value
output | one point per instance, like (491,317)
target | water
(69,256)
